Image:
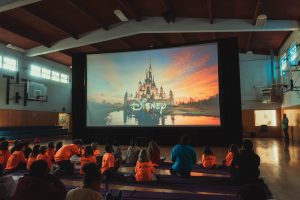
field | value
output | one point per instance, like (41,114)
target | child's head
(20,147)
(51,145)
(133,142)
(4,145)
(43,149)
(37,140)
(36,149)
(16,142)
(234,148)
(108,148)
(185,140)
(58,145)
(92,177)
(39,168)
(116,143)
(247,145)
(94,145)
(143,156)
(77,142)
(207,150)
(153,145)
(88,151)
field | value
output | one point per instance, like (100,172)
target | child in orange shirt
(108,163)
(17,160)
(87,158)
(232,153)
(50,151)
(58,146)
(44,156)
(144,170)
(4,153)
(208,158)
(33,155)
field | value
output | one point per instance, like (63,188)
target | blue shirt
(184,158)
(285,123)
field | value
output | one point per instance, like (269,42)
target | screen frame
(230,130)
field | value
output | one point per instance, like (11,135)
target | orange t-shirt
(15,159)
(50,153)
(4,156)
(228,159)
(108,161)
(46,158)
(209,161)
(85,161)
(144,171)
(66,152)
(31,159)
(96,152)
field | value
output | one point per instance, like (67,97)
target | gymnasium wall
(291,99)
(35,113)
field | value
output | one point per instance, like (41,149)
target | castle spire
(150,67)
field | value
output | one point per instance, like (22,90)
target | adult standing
(285,127)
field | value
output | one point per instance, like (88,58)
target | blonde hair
(144,156)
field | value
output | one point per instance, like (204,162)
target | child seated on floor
(208,158)
(232,153)
(50,151)
(154,152)
(87,158)
(132,153)
(44,156)
(57,147)
(17,160)
(144,170)
(4,153)
(108,169)
(33,155)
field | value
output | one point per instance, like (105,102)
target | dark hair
(91,174)
(19,146)
(115,143)
(94,145)
(207,151)
(16,142)
(36,149)
(108,148)
(39,168)
(58,146)
(43,149)
(88,151)
(247,145)
(51,145)
(2,139)
(133,142)
(185,140)
(4,145)
(252,191)
(1,170)
(77,142)
(143,156)
(234,148)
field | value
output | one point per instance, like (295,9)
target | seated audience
(4,153)
(232,152)
(58,146)
(44,156)
(63,155)
(252,192)
(132,153)
(39,184)
(87,158)
(208,158)
(50,151)
(96,151)
(108,169)
(7,186)
(35,152)
(91,185)
(184,157)
(154,152)
(16,142)
(27,150)
(144,170)
(248,163)
(17,160)
(117,154)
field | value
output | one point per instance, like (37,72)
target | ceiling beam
(128,8)
(257,11)
(50,22)
(76,4)
(159,25)
(31,34)
(12,4)
(210,12)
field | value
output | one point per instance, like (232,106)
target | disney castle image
(149,91)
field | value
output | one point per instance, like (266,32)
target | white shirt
(83,194)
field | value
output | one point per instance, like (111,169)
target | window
(9,64)
(55,76)
(293,55)
(46,73)
(35,71)
(283,63)
(64,78)
(265,117)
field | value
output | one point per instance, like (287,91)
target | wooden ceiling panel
(278,9)
(149,8)
(234,9)
(60,58)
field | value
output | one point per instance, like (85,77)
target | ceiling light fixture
(261,20)
(120,15)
